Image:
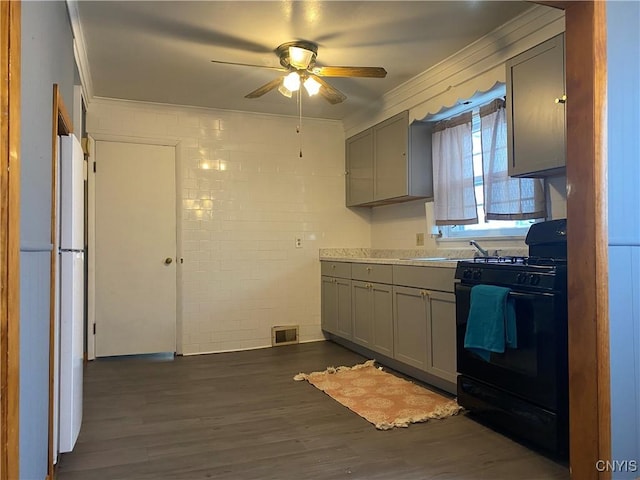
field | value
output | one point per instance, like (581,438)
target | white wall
(239,217)
(623,69)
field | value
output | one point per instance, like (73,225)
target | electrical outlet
(419,239)
(298,242)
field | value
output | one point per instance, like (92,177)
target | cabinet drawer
(335,269)
(372,272)
(429,278)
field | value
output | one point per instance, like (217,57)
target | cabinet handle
(368,269)
(369,286)
(425,293)
(346,173)
(333,267)
(562,99)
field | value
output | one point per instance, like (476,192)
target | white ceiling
(161,51)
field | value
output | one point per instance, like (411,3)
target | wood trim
(62,125)
(589,365)
(589,375)
(10,32)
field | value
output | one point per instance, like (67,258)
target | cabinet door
(535,122)
(343,308)
(441,335)
(362,313)
(382,318)
(329,305)
(372,307)
(391,142)
(410,326)
(359,171)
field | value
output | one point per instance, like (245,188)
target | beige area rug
(379,397)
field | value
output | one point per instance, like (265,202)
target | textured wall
(244,195)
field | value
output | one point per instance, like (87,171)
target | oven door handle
(527,296)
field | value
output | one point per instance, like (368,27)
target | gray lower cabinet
(441,335)
(335,294)
(372,314)
(406,313)
(410,326)
(336,306)
(425,330)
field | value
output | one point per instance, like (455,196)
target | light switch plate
(419,239)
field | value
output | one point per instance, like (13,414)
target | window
(484,228)
(473,194)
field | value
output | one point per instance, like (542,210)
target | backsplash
(451,253)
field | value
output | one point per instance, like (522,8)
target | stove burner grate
(493,259)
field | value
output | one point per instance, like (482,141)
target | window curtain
(453,190)
(505,198)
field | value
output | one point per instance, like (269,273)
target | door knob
(168,260)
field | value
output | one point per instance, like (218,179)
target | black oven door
(532,371)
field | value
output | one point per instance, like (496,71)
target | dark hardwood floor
(241,416)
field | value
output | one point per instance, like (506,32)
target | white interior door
(135,249)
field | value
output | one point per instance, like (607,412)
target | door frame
(10,77)
(61,126)
(91,230)
(587,239)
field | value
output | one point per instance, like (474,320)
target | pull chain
(299,129)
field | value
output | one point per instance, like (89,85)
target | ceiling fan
(299,60)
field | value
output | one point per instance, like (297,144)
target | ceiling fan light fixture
(292,82)
(312,86)
(299,57)
(285,91)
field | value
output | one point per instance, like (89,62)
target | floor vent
(284,335)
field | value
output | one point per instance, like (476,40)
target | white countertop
(443,258)
(448,263)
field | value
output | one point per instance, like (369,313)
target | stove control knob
(521,278)
(466,273)
(477,274)
(534,279)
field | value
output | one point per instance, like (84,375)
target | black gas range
(534,273)
(521,390)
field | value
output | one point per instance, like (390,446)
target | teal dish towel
(491,324)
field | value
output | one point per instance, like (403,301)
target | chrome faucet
(482,251)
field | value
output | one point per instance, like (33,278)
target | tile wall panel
(244,196)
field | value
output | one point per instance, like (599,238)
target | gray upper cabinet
(536,125)
(389,163)
(359,171)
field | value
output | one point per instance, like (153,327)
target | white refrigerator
(71,302)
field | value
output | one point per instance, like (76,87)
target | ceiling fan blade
(331,94)
(267,87)
(371,72)
(280,69)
